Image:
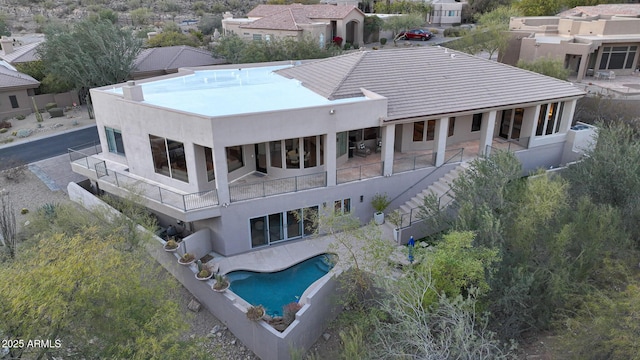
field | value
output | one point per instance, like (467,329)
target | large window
(169,158)
(549,119)
(418,130)
(342,143)
(342,206)
(114,141)
(287,225)
(208,158)
(235,158)
(618,57)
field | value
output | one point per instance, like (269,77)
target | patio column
(487,128)
(388,137)
(567,115)
(222,178)
(440,140)
(330,151)
(533,125)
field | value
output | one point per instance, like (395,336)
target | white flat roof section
(233,91)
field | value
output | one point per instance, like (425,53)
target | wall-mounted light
(332,111)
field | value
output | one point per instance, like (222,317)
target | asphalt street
(47,147)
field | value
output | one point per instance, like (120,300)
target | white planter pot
(396,234)
(378,218)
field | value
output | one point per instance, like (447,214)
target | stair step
(404,208)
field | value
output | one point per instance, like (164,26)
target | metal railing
(266,188)
(356,173)
(413,215)
(508,145)
(184,202)
(411,163)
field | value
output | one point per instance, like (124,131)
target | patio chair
(362,150)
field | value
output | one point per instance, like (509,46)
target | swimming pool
(276,289)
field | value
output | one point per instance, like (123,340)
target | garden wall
(319,301)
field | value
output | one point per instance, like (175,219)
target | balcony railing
(411,163)
(356,173)
(184,202)
(266,188)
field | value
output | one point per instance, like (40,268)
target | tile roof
(317,11)
(284,20)
(428,81)
(22,54)
(603,9)
(13,79)
(173,57)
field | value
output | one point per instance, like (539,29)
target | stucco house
(15,90)
(167,60)
(239,155)
(321,21)
(593,41)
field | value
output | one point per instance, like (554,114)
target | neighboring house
(15,53)
(167,60)
(15,90)
(241,153)
(601,41)
(322,22)
(446,12)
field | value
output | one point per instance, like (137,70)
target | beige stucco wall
(24,104)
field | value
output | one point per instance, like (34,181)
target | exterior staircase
(441,188)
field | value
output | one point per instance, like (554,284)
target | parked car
(417,34)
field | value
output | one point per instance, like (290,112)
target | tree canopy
(238,51)
(4,25)
(78,284)
(90,53)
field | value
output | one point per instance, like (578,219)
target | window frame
(112,141)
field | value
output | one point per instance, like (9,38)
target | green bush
(50,106)
(3,130)
(434,31)
(383,41)
(20,117)
(56,112)
(455,32)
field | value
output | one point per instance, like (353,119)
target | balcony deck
(256,185)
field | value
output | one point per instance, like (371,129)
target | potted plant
(186,259)
(204,273)
(221,284)
(255,313)
(171,245)
(379,202)
(395,218)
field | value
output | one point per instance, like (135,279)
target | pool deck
(282,256)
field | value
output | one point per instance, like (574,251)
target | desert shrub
(3,130)
(383,41)
(6,141)
(4,124)
(15,170)
(23,133)
(455,32)
(50,106)
(20,117)
(434,31)
(56,112)
(24,211)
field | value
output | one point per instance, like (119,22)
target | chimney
(133,92)
(7,45)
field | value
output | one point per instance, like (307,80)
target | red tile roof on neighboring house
(287,19)
(318,11)
(603,9)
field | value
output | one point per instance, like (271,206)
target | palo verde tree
(90,53)
(74,286)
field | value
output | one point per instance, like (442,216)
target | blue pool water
(274,290)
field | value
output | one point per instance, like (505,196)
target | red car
(417,34)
